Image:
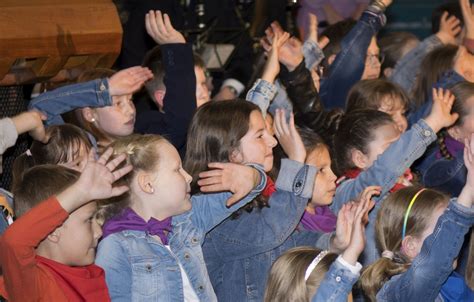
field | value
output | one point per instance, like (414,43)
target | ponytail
(442,145)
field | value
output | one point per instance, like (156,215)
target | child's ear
(88,114)
(359,159)
(159,95)
(455,132)
(145,182)
(54,236)
(236,156)
(410,247)
(387,72)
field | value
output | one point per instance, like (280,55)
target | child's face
(325,183)
(256,146)
(78,237)
(202,91)
(395,109)
(79,159)
(384,136)
(118,119)
(171,183)
(372,62)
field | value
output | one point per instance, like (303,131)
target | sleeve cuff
(238,86)
(296,177)
(355,269)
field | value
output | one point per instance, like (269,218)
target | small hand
(128,81)
(38,132)
(288,136)
(272,68)
(441,115)
(238,179)
(159,27)
(468,16)
(291,53)
(366,197)
(449,29)
(345,219)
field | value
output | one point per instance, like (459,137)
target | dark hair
(371,94)
(436,62)
(39,183)
(311,140)
(394,46)
(335,32)
(453,8)
(356,130)
(462,91)
(154,61)
(388,232)
(63,147)
(214,133)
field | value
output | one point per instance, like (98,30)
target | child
(240,251)
(47,254)
(151,247)
(382,95)
(305,272)
(421,233)
(67,146)
(443,166)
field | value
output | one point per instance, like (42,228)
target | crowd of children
(337,178)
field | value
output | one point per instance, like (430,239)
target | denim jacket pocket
(147,276)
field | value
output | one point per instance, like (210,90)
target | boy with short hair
(48,253)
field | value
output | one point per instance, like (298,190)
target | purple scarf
(129,220)
(453,146)
(322,220)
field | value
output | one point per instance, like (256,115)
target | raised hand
(449,29)
(291,53)
(31,122)
(272,68)
(468,16)
(441,115)
(366,197)
(288,136)
(159,27)
(129,80)
(345,220)
(313,32)
(467,194)
(236,178)
(357,237)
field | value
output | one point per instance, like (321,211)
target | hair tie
(387,254)
(313,264)
(405,220)
(28,153)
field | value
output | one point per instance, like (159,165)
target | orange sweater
(29,277)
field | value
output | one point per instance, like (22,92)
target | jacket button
(427,133)
(186,256)
(338,279)
(102,87)
(194,240)
(201,287)
(148,268)
(298,184)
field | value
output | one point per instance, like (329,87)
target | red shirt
(29,277)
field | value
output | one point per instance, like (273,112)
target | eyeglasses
(372,59)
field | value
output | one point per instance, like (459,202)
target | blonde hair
(142,155)
(286,281)
(388,232)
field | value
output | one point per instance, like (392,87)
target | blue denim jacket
(336,285)
(64,99)
(384,172)
(239,252)
(406,70)
(348,67)
(430,269)
(139,268)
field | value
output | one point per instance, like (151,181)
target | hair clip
(313,264)
(387,254)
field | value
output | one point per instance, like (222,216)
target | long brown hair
(286,281)
(388,232)
(215,132)
(435,63)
